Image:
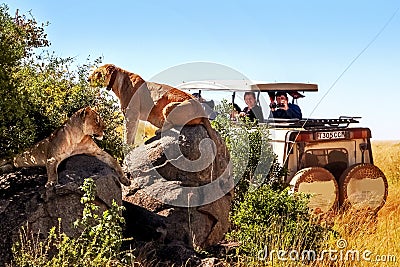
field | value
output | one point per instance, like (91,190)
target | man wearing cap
(283,109)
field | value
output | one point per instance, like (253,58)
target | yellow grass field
(380,241)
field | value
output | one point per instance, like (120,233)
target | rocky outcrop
(185,193)
(24,200)
(178,202)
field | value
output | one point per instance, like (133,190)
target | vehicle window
(322,157)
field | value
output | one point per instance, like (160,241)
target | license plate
(331,135)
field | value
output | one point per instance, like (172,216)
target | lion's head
(92,123)
(101,76)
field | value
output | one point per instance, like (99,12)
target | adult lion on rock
(73,138)
(160,104)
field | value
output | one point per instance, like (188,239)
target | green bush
(273,219)
(19,37)
(39,91)
(99,242)
(264,215)
(253,161)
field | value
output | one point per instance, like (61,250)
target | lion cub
(73,138)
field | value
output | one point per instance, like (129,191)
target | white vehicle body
(292,144)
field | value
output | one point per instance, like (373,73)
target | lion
(73,138)
(162,105)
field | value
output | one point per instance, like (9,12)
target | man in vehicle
(282,109)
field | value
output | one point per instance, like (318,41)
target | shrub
(253,160)
(273,219)
(264,215)
(39,91)
(19,37)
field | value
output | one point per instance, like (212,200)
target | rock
(24,200)
(188,193)
(144,225)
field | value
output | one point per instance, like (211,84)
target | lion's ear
(85,112)
(110,68)
(88,110)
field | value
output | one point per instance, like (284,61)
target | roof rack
(342,122)
(293,89)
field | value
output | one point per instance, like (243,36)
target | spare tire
(363,187)
(321,184)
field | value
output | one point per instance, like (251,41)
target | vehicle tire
(363,187)
(321,184)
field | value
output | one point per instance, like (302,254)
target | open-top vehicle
(329,158)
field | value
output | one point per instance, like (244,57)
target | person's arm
(243,112)
(294,112)
(258,113)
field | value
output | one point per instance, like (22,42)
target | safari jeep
(328,158)
(332,161)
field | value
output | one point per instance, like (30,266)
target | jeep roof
(236,86)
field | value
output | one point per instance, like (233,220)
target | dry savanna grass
(377,237)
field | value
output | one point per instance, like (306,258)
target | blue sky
(276,41)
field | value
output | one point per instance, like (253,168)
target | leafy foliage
(276,220)
(18,38)
(98,244)
(264,214)
(254,162)
(39,90)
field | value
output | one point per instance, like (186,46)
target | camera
(275,105)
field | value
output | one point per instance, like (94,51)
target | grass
(384,240)
(380,235)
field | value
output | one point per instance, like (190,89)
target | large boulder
(181,194)
(24,200)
